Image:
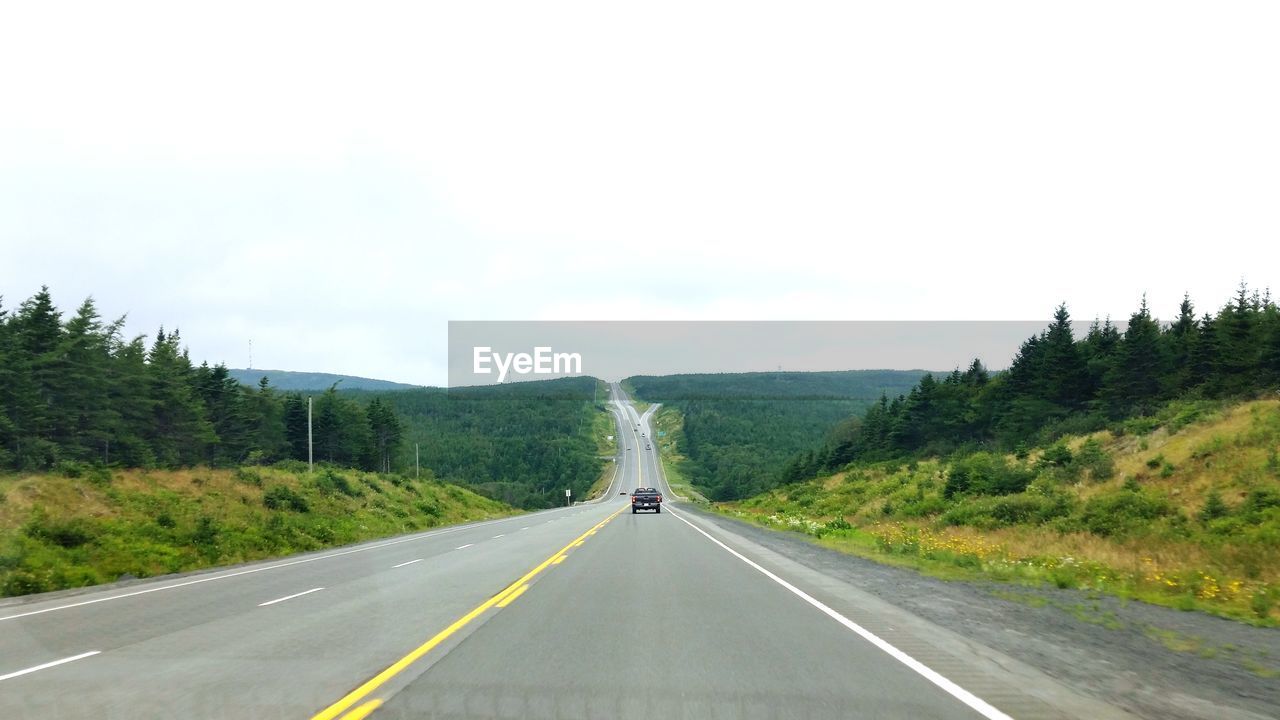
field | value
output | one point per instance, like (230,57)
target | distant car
(646,499)
(646,447)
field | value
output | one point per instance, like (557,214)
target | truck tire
(657,509)
(633,511)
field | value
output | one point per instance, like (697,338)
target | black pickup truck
(646,499)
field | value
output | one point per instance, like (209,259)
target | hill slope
(1180,509)
(59,532)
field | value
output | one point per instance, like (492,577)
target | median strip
(399,666)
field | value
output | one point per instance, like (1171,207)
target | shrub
(985,474)
(1213,507)
(67,533)
(839,524)
(1095,461)
(1118,512)
(281,497)
(1056,455)
(249,476)
(70,468)
(1260,500)
(329,481)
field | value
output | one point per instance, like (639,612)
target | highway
(588,611)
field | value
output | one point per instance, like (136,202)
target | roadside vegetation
(75,392)
(1183,512)
(1141,463)
(86,525)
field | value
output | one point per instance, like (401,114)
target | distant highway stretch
(588,611)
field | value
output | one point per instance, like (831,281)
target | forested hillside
(522,443)
(1059,384)
(738,430)
(74,392)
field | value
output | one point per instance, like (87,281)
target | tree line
(76,390)
(1059,384)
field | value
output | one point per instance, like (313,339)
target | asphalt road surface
(588,611)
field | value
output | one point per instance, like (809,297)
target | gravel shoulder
(1152,661)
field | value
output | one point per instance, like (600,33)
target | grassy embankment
(92,525)
(1182,509)
(603,427)
(669,422)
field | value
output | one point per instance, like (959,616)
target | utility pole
(310,465)
(415,461)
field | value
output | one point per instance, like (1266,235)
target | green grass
(61,532)
(668,421)
(1185,515)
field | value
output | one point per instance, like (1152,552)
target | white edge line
(393,567)
(289,597)
(973,701)
(44,666)
(464,547)
(277,566)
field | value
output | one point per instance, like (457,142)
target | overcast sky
(336,182)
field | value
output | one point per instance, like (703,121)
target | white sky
(337,181)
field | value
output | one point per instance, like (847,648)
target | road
(589,611)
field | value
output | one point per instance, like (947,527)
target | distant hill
(290,380)
(852,384)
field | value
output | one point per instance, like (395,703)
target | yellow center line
(400,665)
(510,598)
(363,711)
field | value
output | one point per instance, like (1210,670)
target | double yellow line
(502,599)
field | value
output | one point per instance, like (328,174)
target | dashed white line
(526,527)
(495,537)
(47,665)
(464,547)
(289,597)
(406,563)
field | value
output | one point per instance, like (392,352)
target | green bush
(71,533)
(281,497)
(986,474)
(1117,512)
(330,482)
(1213,507)
(1095,461)
(988,513)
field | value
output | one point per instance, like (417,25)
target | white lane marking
(289,597)
(393,567)
(982,707)
(54,663)
(495,537)
(238,573)
(526,527)
(464,547)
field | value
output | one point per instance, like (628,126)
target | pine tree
(1180,340)
(1133,383)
